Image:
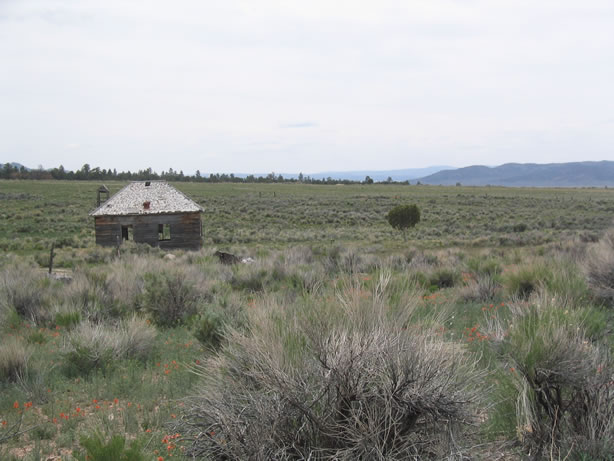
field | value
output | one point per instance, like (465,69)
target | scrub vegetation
(486,335)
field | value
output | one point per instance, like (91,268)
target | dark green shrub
(403,217)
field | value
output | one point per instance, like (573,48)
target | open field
(487,335)
(35,213)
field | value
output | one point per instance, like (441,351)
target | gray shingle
(162,197)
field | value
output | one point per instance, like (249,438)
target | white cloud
(386,84)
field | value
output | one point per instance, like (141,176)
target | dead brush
(350,378)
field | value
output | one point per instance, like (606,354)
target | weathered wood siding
(185,230)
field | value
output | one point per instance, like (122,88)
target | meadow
(485,335)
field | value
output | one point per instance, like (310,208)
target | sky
(257,86)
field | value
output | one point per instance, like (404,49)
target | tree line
(87,173)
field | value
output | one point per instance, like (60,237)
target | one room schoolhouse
(151,212)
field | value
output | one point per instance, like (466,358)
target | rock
(227,258)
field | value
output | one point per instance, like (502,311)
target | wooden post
(51,255)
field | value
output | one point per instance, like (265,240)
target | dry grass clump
(351,379)
(560,393)
(89,293)
(24,289)
(484,288)
(14,356)
(91,345)
(599,268)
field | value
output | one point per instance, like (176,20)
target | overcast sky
(310,85)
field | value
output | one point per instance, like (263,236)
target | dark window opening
(164,231)
(127,233)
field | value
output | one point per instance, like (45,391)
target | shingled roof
(147,197)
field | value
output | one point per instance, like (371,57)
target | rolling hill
(574,174)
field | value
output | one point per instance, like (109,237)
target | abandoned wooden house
(152,212)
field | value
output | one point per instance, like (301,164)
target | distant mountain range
(396,175)
(575,174)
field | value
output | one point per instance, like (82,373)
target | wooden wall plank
(185,230)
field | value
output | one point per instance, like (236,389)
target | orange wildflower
(16,405)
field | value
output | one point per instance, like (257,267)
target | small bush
(89,294)
(14,357)
(403,217)
(37,337)
(170,296)
(484,266)
(249,279)
(115,449)
(137,338)
(558,381)
(67,319)
(209,329)
(444,278)
(484,289)
(44,432)
(23,289)
(525,280)
(92,346)
(333,381)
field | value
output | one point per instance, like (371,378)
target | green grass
(33,214)
(318,249)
